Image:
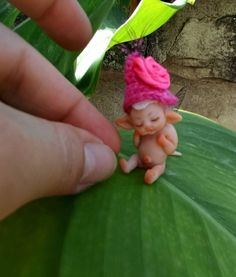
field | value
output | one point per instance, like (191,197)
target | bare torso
(150,152)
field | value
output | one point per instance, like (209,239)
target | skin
(49,140)
(155,137)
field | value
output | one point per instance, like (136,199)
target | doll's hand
(49,144)
(137,139)
(165,144)
(161,140)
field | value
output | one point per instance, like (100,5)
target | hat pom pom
(151,73)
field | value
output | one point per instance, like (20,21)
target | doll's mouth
(149,132)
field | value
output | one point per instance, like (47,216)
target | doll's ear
(124,122)
(173,117)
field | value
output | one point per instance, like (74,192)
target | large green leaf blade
(182,225)
(32,240)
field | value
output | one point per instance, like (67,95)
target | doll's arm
(137,139)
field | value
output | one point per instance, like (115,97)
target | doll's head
(147,96)
(148,117)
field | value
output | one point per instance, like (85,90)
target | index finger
(63,20)
(30,83)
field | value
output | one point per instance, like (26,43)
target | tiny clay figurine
(147,109)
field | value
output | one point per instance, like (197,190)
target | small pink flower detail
(151,73)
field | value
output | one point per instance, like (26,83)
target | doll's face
(149,120)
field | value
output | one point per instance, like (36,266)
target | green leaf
(8,14)
(182,225)
(152,13)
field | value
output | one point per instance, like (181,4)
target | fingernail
(82,187)
(99,163)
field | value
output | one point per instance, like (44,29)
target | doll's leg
(129,165)
(154,173)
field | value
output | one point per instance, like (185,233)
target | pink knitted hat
(146,80)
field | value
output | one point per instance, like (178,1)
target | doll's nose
(148,124)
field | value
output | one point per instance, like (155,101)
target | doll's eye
(155,119)
(139,125)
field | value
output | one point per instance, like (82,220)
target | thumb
(40,158)
(76,159)
(99,162)
(86,159)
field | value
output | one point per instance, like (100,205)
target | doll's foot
(150,176)
(154,173)
(124,165)
(129,165)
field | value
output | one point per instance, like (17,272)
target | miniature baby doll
(147,110)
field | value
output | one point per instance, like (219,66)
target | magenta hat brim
(163,97)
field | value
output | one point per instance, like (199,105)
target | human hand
(52,140)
